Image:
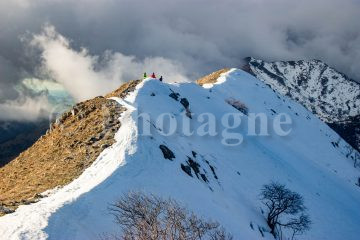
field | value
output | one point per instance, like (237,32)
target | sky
(90,47)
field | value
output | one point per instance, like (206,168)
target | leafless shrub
(220,234)
(148,217)
(285,210)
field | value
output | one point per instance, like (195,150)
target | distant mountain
(96,152)
(327,93)
(16,137)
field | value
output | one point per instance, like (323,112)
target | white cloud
(25,108)
(84,75)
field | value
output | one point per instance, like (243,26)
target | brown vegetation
(71,145)
(212,77)
(124,89)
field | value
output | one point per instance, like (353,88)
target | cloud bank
(84,75)
(92,46)
(25,108)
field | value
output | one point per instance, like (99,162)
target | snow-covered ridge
(227,184)
(321,89)
(327,93)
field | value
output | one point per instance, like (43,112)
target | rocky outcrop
(168,154)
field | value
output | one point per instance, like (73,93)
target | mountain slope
(214,180)
(16,137)
(71,145)
(329,94)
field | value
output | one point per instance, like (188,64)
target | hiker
(145,75)
(153,75)
(160,79)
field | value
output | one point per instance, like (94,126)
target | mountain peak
(329,94)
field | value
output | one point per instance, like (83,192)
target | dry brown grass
(64,152)
(212,77)
(124,89)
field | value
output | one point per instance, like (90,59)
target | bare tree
(280,202)
(147,217)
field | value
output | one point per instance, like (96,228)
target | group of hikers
(153,76)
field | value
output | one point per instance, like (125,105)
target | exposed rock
(237,104)
(185,103)
(168,154)
(204,178)
(74,111)
(105,146)
(192,165)
(186,169)
(175,96)
(212,169)
(195,166)
(5,210)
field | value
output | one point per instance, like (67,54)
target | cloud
(8,74)
(25,108)
(85,76)
(99,44)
